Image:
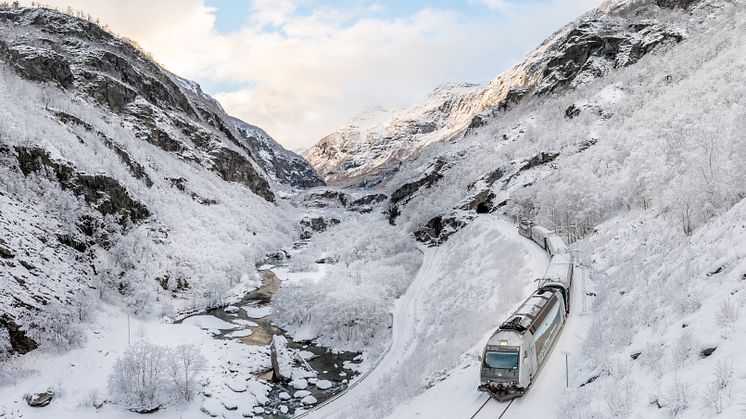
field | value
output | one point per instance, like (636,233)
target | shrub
(55,327)
(149,376)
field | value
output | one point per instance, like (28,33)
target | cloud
(308,73)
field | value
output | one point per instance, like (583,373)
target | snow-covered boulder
(284,396)
(211,407)
(39,399)
(281,361)
(236,384)
(308,400)
(301,394)
(323,384)
(232,310)
(299,384)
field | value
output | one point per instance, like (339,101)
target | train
(518,349)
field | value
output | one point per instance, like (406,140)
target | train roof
(557,245)
(558,267)
(522,319)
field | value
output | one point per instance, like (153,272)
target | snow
(301,394)
(299,384)
(282,356)
(209,322)
(323,384)
(308,400)
(240,333)
(257,312)
(69,374)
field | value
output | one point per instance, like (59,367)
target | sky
(302,68)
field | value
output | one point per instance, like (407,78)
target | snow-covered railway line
(493,411)
(456,396)
(554,379)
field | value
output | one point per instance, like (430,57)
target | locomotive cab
(506,368)
(516,351)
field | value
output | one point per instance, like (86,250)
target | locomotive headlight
(503,343)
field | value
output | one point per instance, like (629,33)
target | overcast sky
(302,68)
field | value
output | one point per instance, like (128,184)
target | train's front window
(502,360)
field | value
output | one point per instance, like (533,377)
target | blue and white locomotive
(519,348)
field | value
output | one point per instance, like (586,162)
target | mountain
(615,35)
(118,173)
(374,144)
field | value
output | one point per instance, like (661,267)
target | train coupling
(502,393)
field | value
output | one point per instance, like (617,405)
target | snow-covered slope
(615,35)
(119,177)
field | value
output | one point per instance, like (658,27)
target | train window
(502,360)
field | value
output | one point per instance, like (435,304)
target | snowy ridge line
(361,378)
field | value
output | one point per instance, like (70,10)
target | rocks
(37,63)
(39,399)
(232,310)
(301,394)
(145,410)
(286,166)
(438,229)
(19,342)
(283,409)
(212,407)
(104,193)
(281,360)
(323,384)
(635,355)
(572,111)
(237,385)
(234,167)
(229,404)
(671,4)
(596,45)
(708,351)
(405,192)
(6,253)
(309,400)
(284,396)
(318,224)
(299,384)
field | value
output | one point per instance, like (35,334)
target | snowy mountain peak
(613,36)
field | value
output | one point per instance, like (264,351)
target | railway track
(492,414)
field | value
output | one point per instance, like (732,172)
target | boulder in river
(281,361)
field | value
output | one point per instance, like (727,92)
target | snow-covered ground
(78,378)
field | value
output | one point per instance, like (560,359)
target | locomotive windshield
(502,360)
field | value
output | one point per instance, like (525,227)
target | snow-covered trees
(55,327)
(348,306)
(148,376)
(185,363)
(5,375)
